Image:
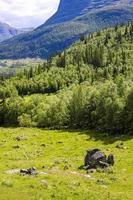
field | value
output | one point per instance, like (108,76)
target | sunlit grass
(51,152)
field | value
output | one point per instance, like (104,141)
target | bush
(25,120)
(51,112)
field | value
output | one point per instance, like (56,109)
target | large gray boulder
(96,158)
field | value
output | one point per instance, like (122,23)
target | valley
(66,103)
(9,68)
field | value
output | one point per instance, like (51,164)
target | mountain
(68,10)
(6,31)
(23,30)
(72,19)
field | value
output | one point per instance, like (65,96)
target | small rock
(30,171)
(13,171)
(20,138)
(59,142)
(44,167)
(121,146)
(43,145)
(16,146)
(66,167)
(57,162)
(101,182)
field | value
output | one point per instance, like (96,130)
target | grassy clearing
(51,151)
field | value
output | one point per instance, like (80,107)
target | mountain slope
(68,10)
(72,19)
(6,31)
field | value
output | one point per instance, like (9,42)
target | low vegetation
(59,154)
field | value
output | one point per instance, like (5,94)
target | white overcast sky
(27,13)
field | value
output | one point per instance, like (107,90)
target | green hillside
(90,85)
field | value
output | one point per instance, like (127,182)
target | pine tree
(31,72)
(126,31)
(124,57)
(82,37)
(89,54)
(119,37)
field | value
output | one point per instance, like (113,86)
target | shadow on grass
(106,138)
(98,136)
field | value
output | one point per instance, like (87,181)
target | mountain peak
(6,31)
(69,9)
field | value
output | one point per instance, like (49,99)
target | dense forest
(89,86)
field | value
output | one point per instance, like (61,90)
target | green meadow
(59,154)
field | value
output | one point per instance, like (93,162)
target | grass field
(59,154)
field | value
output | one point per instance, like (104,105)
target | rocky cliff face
(69,9)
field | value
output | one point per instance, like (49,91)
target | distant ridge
(6,31)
